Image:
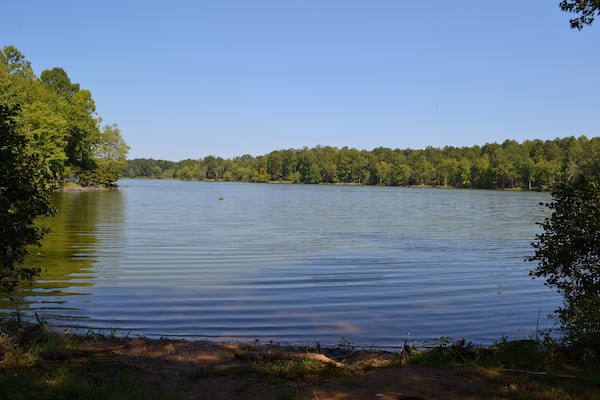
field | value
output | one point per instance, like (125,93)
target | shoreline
(66,189)
(31,355)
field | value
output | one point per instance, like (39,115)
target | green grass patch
(76,381)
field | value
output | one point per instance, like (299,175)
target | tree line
(532,164)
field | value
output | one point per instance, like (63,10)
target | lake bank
(96,366)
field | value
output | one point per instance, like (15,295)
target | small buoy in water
(221,197)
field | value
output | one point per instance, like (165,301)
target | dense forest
(50,126)
(532,165)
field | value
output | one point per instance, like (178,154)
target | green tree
(289,165)
(327,158)
(186,173)
(243,168)
(44,129)
(111,156)
(546,173)
(157,171)
(503,167)
(14,63)
(448,169)
(383,172)
(400,170)
(27,153)
(346,166)
(592,160)
(568,255)
(434,158)
(423,170)
(586,10)
(572,150)
(58,80)
(308,167)
(262,176)
(214,167)
(82,133)
(26,182)
(464,172)
(482,174)
(275,166)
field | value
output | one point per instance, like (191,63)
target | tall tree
(82,135)
(308,167)
(58,80)
(15,63)
(275,165)
(111,156)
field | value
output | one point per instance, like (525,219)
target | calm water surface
(293,263)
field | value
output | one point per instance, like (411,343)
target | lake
(355,265)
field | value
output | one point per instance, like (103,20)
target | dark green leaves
(568,255)
(25,187)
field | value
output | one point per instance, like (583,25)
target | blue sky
(187,79)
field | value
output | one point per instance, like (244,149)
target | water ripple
(293,263)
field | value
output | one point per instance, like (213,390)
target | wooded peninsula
(530,165)
(50,133)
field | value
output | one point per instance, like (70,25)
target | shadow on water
(68,255)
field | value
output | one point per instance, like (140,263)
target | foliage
(110,155)
(530,165)
(25,187)
(586,10)
(440,353)
(49,135)
(568,256)
(59,121)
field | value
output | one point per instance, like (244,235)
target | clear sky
(187,79)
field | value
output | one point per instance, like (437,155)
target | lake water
(293,263)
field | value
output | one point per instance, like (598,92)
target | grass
(24,374)
(526,369)
(74,381)
(521,369)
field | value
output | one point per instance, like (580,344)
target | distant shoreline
(82,189)
(283,182)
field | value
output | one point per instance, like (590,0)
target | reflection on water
(370,265)
(70,252)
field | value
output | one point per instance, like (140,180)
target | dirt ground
(207,370)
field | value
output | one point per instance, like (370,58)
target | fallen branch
(279,355)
